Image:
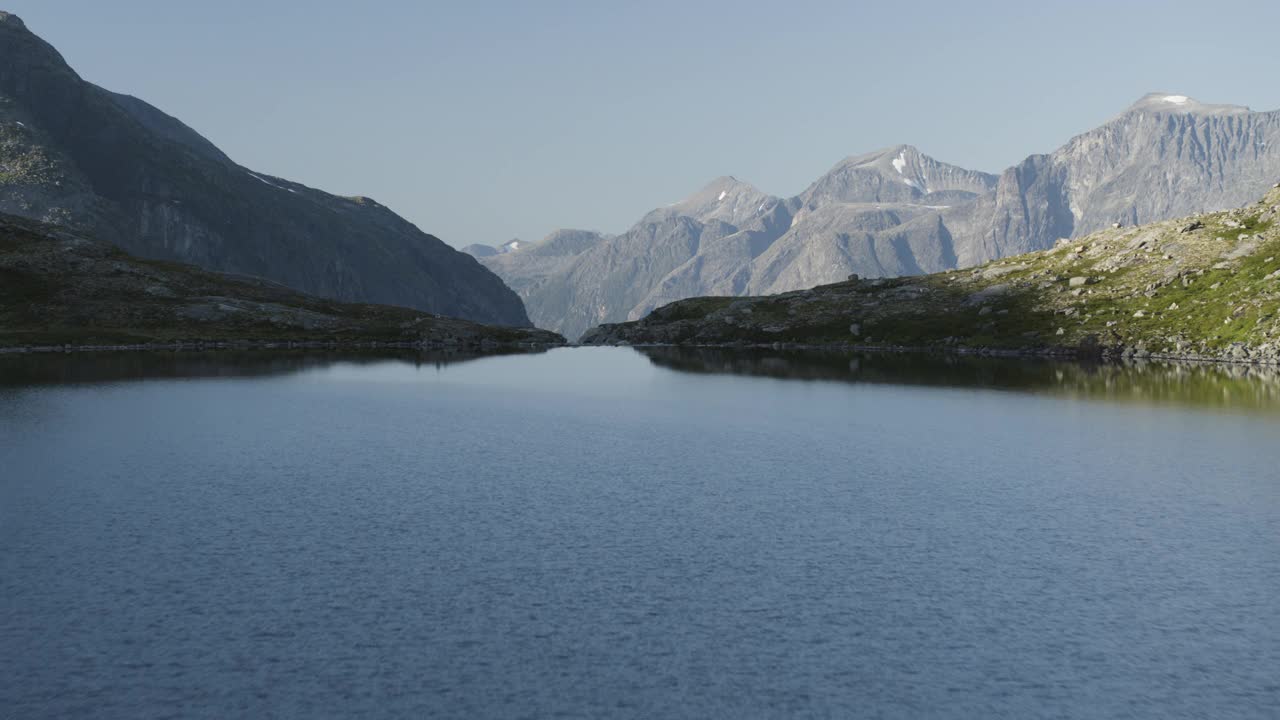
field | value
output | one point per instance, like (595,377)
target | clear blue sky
(481,121)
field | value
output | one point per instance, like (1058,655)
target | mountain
(481,251)
(477,250)
(114,167)
(528,266)
(60,287)
(886,213)
(1204,287)
(899,212)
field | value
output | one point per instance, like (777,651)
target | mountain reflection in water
(71,368)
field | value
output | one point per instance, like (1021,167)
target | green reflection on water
(1209,385)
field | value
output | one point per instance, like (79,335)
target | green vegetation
(57,288)
(1205,385)
(1205,287)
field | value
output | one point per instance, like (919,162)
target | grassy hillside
(57,287)
(1203,287)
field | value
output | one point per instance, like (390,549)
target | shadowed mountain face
(120,170)
(59,287)
(899,212)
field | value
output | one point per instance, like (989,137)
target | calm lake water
(616,533)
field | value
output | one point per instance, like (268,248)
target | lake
(610,532)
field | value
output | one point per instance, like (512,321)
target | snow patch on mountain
(900,162)
(265,181)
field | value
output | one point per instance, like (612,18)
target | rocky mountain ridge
(120,170)
(1205,287)
(898,212)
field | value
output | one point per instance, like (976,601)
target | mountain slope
(114,166)
(576,281)
(1205,287)
(898,212)
(900,174)
(60,287)
(526,266)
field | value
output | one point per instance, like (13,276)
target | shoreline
(1118,354)
(215,345)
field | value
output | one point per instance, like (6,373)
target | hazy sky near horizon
(482,120)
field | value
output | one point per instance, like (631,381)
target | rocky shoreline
(60,292)
(281,344)
(1109,354)
(1200,289)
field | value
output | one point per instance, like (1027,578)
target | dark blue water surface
(611,533)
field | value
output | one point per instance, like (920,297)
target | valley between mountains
(121,224)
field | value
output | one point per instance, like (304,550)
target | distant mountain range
(117,169)
(1204,287)
(898,212)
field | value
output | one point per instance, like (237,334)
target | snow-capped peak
(1159,102)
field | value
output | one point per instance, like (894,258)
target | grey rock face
(529,266)
(899,212)
(1031,305)
(121,170)
(896,175)
(605,281)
